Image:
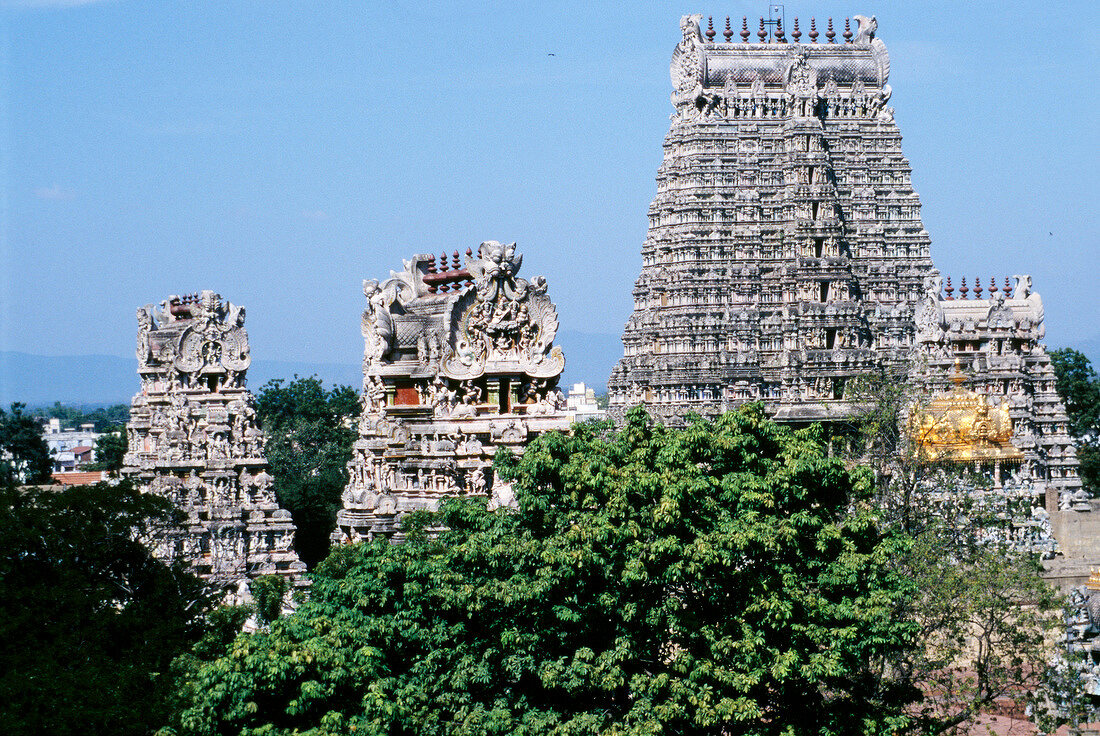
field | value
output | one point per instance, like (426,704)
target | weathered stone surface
(996,344)
(785,247)
(786,255)
(458,361)
(193,438)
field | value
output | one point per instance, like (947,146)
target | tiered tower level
(193,438)
(785,248)
(990,338)
(459,361)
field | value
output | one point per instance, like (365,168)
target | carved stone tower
(459,360)
(193,438)
(785,248)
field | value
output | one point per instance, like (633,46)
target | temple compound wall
(459,360)
(194,439)
(786,254)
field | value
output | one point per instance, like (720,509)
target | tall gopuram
(193,438)
(989,340)
(785,249)
(786,255)
(459,360)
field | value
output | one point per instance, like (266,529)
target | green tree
(105,418)
(1079,386)
(309,433)
(110,449)
(267,592)
(984,614)
(727,578)
(89,620)
(24,454)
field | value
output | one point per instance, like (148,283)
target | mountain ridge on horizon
(100,379)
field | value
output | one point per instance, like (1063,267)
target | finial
(431,265)
(454,261)
(744,29)
(1008,288)
(762,33)
(796,34)
(992,286)
(977,288)
(469,252)
(847,31)
(830,34)
(710,29)
(779,31)
(963,291)
(813,30)
(950,290)
(957,376)
(728,33)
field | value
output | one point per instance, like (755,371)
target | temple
(785,246)
(458,361)
(193,438)
(786,255)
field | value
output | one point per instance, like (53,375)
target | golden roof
(963,426)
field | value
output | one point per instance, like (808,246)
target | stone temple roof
(717,64)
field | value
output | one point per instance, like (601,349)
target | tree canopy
(89,620)
(105,418)
(24,454)
(727,578)
(309,433)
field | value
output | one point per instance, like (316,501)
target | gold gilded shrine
(962,426)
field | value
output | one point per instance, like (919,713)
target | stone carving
(995,342)
(504,319)
(193,438)
(459,360)
(789,205)
(865,33)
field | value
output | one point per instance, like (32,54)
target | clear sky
(280,152)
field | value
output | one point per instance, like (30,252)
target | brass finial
(813,30)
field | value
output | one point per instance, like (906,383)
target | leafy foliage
(24,454)
(110,449)
(105,418)
(1079,387)
(984,614)
(309,433)
(268,591)
(89,620)
(727,578)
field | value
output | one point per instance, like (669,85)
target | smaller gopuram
(193,438)
(459,360)
(992,345)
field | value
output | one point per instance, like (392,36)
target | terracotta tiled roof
(80,479)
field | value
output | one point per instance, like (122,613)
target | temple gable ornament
(458,360)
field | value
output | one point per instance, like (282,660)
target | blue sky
(280,152)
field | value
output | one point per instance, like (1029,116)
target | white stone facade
(459,360)
(193,437)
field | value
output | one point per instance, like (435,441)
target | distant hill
(97,380)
